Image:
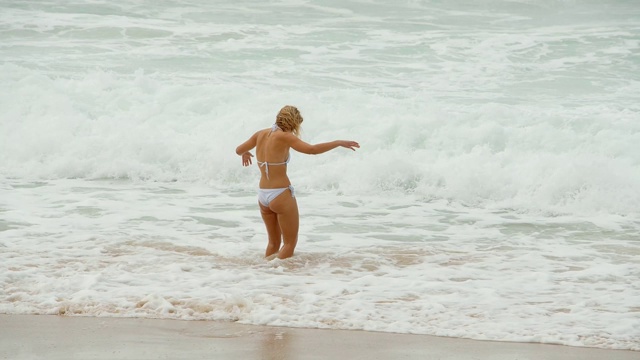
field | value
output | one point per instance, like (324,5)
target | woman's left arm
(243,149)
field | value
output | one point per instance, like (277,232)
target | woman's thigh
(270,219)
(286,207)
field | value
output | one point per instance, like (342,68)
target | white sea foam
(554,158)
(108,248)
(496,194)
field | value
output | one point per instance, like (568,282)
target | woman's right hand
(246,159)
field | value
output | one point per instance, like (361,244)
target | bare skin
(281,217)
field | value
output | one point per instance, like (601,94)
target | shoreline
(61,337)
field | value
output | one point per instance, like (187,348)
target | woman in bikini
(276,196)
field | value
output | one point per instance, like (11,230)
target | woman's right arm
(247,145)
(243,149)
(314,149)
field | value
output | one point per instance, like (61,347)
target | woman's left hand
(246,159)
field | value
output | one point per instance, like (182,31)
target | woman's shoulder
(261,133)
(276,135)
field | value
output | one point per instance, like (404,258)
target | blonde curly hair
(289,119)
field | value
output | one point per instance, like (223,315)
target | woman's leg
(273,230)
(286,207)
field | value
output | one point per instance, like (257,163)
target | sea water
(496,194)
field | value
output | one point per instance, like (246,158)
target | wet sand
(58,337)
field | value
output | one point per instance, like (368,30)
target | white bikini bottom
(266,196)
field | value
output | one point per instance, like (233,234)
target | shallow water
(121,248)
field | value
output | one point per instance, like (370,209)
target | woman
(276,197)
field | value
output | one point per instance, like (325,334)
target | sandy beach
(58,337)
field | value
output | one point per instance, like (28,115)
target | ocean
(495,196)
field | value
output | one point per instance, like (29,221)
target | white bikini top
(266,164)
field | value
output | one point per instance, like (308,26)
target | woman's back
(272,155)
